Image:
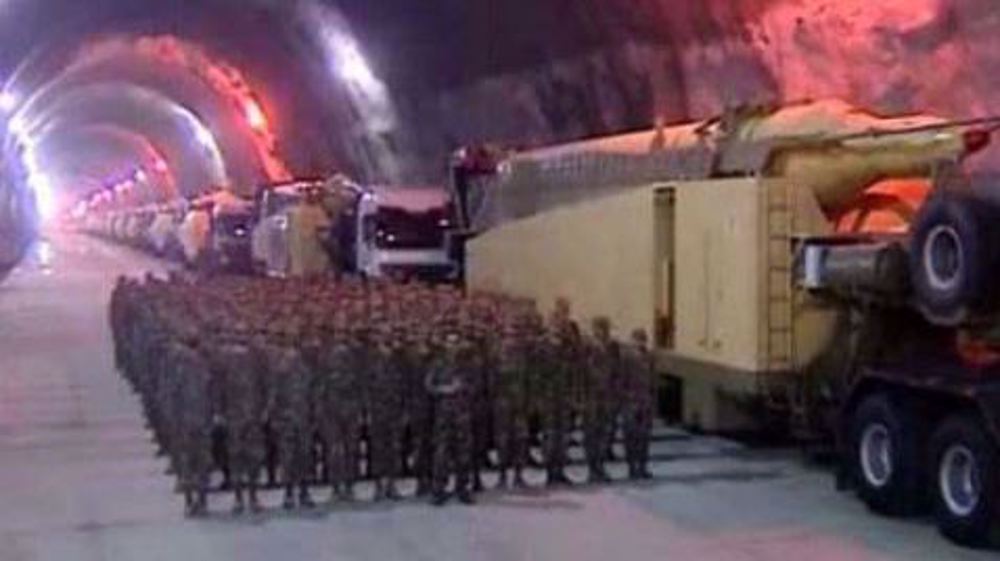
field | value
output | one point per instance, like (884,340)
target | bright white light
(17,126)
(255,115)
(204,136)
(141,177)
(8,102)
(44,195)
(354,68)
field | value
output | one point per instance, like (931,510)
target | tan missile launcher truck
(796,265)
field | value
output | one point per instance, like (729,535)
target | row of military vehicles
(296,228)
(811,268)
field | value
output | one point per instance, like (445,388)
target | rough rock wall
(675,60)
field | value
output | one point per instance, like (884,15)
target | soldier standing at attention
(447,385)
(194,411)
(387,420)
(511,407)
(640,405)
(557,418)
(293,420)
(598,398)
(338,412)
(422,408)
(245,404)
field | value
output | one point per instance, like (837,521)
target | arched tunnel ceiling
(449,72)
(89,154)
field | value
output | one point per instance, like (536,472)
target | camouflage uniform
(245,406)
(449,388)
(194,415)
(640,405)
(387,420)
(481,375)
(421,407)
(560,360)
(338,414)
(599,399)
(511,409)
(292,421)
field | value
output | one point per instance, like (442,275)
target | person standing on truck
(640,404)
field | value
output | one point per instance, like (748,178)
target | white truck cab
(402,232)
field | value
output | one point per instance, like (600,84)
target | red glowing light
(228,82)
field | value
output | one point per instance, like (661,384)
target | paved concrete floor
(78,480)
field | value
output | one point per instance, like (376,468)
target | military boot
(305,499)
(239,506)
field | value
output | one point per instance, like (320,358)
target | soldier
(292,419)
(600,376)
(422,408)
(479,372)
(511,407)
(245,405)
(448,387)
(194,420)
(362,364)
(338,413)
(561,358)
(387,421)
(118,315)
(640,404)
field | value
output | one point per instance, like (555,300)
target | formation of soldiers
(297,384)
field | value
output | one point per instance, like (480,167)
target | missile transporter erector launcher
(811,266)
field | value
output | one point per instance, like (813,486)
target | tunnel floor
(79,479)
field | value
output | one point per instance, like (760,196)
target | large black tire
(965,515)
(954,259)
(885,456)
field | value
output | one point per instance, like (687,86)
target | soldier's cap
(640,336)
(601,323)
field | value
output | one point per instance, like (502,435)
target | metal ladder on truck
(778,352)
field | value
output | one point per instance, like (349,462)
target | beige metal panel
(307,254)
(719,278)
(598,254)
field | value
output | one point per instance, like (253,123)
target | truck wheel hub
(943,258)
(960,481)
(876,455)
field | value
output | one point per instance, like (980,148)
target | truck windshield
(397,228)
(238,224)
